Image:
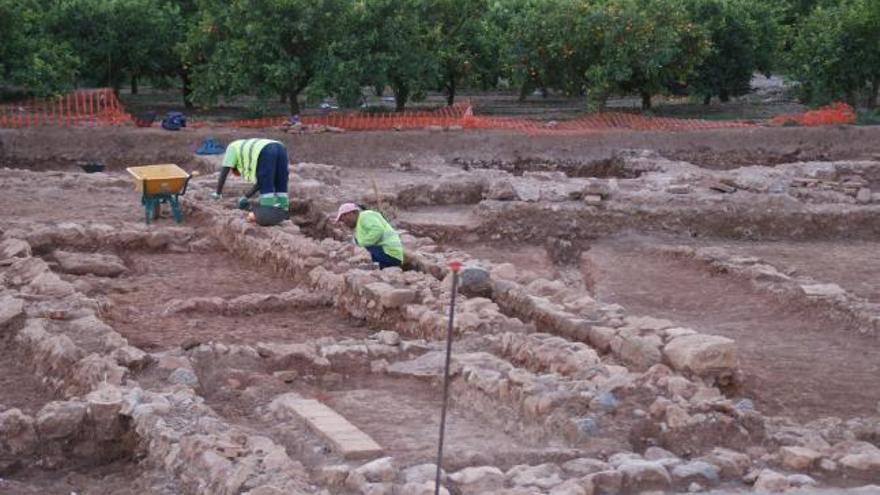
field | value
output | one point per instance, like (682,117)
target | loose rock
(771,481)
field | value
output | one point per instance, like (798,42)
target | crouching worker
(259,161)
(374,233)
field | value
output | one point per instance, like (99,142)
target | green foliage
(744,34)
(30,56)
(117,39)
(397,49)
(836,53)
(647,46)
(548,44)
(594,48)
(262,47)
(455,31)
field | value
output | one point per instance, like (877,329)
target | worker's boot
(268,200)
(282,201)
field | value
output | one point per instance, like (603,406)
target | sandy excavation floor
(796,364)
(628,340)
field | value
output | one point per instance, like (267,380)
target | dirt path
(794,363)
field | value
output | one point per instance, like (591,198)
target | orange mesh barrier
(836,113)
(94,107)
(461,115)
(100,107)
(443,117)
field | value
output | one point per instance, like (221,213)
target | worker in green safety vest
(260,161)
(374,233)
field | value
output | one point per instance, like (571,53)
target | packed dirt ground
(645,313)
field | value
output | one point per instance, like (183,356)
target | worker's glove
(243,203)
(215,196)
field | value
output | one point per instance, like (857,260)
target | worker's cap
(345,208)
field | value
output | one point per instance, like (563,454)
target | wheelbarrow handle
(195,173)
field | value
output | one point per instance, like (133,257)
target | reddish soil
(21,389)
(369,401)
(121,147)
(153,332)
(55,201)
(795,364)
(854,265)
(528,257)
(120,478)
(141,296)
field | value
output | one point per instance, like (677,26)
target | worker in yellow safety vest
(374,233)
(260,161)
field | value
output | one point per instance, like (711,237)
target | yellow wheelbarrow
(161,184)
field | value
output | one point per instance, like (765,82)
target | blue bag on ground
(173,121)
(210,147)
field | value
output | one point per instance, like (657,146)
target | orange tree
(264,48)
(836,53)
(116,39)
(744,36)
(31,57)
(645,47)
(548,43)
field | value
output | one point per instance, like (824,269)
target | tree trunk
(646,100)
(116,84)
(707,99)
(401,96)
(134,84)
(450,92)
(524,91)
(186,88)
(294,103)
(724,96)
(875,89)
(380,90)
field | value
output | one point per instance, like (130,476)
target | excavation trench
(143,302)
(795,362)
(854,265)
(400,413)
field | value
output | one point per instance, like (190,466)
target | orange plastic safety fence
(100,107)
(93,107)
(444,117)
(461,115)
(836,113)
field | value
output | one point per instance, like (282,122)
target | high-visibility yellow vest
(373,230)
(242,155)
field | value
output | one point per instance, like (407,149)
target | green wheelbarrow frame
(153,203)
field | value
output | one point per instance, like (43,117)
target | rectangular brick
(345,438)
